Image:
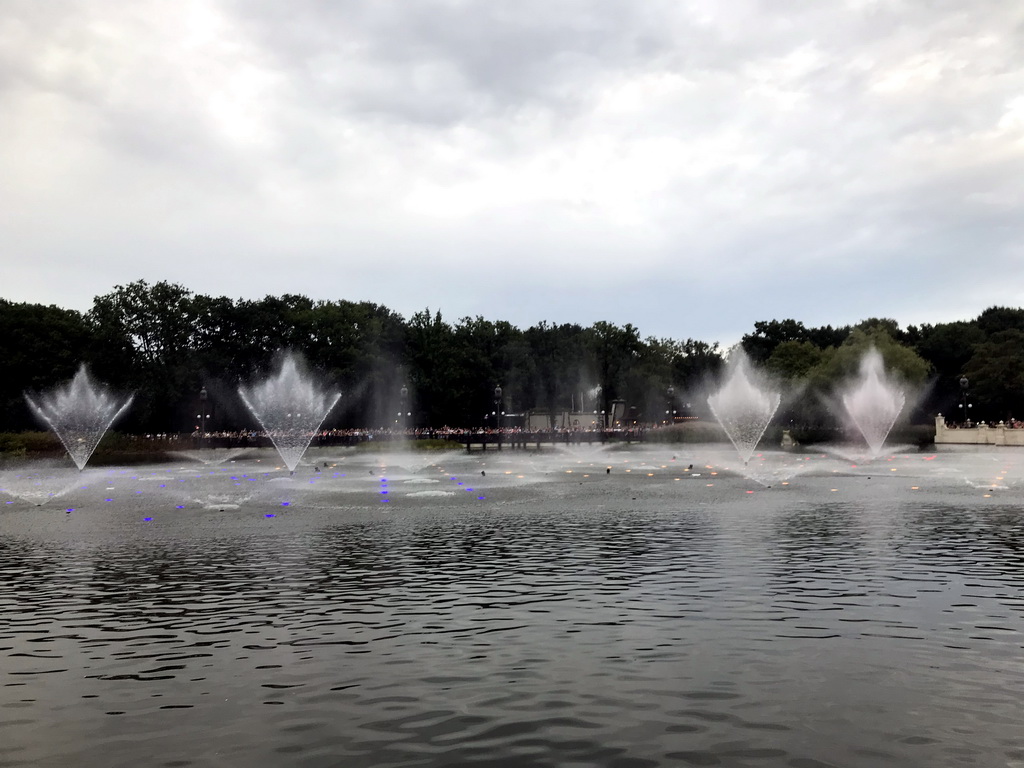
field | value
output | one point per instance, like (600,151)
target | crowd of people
(1010,423)
(348,436)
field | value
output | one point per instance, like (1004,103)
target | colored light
(147,519)
(285,503)
(269,515)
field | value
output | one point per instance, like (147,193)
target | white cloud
(687,167)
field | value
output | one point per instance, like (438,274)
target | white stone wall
(1000,434)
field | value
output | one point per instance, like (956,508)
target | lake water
(600,608)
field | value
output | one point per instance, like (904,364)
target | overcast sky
(687,166)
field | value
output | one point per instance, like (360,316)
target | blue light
(162,485)
(285,503)
(180,506)
(383,491)
(108,499)
(71,509)
(481,497)
(385,500)
(147,519)
(270,515)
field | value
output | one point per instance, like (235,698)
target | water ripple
(575,632)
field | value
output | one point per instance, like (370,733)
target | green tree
(996,374)
(793,361)
(996,319)
(769,334)
(151,330)
(843,362)
(615,350)
(561,359)
(41,346)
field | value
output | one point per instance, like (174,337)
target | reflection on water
(852,635)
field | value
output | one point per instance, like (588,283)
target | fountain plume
(742,408)
(80,412)
(290,407)
(874,402)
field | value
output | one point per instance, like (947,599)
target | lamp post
(203,395)
(964,404)
(670,394)
(497,412)
(403,411)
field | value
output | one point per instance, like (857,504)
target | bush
(689,432)
(24,443)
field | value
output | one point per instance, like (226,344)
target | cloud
(687,167)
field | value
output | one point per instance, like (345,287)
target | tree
(41,346)
(768,335)
(843,362)
(150,330)
(560,359)
(430,359)
(614,350)
(996,319)
(794,360)
(996,374)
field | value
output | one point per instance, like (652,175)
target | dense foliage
(165,343)
(930,359)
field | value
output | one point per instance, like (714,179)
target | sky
(686,166)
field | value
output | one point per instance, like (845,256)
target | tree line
(166,343)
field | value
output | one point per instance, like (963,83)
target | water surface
(620,622)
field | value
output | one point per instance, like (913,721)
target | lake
(623,608)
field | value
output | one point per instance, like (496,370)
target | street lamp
(403,412)
(497,405)
(964,404)
(203,395)
(670,393)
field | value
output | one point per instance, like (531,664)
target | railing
(470,439)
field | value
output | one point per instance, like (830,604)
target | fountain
(79,413)
(873,401)
(743,409)
(290,407)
